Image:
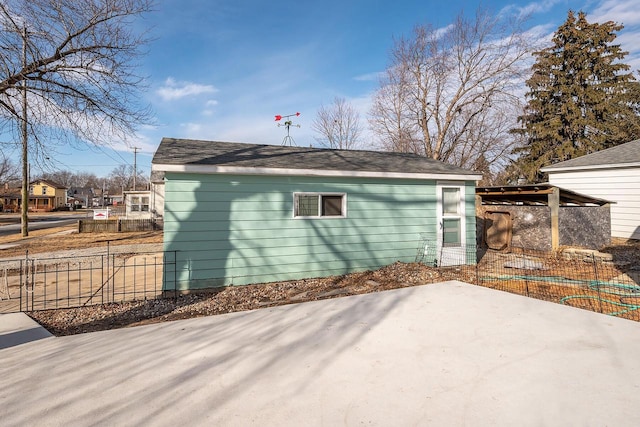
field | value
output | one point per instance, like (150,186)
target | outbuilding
(244,213)
(540,217)
(612,174)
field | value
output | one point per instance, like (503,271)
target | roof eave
(234,170)
(589,167)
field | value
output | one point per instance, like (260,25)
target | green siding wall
(240,229)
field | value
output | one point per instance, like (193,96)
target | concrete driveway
(448,354)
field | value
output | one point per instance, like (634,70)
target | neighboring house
(157,194)
(109,199)
(80,196)
(242,213)
(612,174)
(4,194)
(137,204)
(44,196)
(116,199)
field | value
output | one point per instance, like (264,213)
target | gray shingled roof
(619,155)
(196,152)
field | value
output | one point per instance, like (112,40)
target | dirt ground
(235,298)
(65,238)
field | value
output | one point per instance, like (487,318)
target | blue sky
(222,70)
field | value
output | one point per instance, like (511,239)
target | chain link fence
(581,278)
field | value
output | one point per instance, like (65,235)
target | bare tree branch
(80,69)
(338,125)
(8,170)
(449,93)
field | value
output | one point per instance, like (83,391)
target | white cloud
(173,89)
(441,32)
(369,77)
(627,13)
(252,128)
(142,142)
(623,11)
(192,130)
(209,107)
(530,8)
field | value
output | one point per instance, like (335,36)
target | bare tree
(79,68)
(67,73)
(142,181)
(121,178)
(8,170)
(86,180)
(65,178)
(338,125)
(452,94)
(389,118)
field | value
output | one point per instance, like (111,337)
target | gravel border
(237,298)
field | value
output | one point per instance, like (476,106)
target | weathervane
(288,140)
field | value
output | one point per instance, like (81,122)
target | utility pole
(24,227)
(135,169)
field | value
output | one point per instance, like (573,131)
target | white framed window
(139,204)
(44,189)
(319,205)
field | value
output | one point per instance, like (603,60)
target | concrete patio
(445,354)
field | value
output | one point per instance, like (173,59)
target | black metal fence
(579,278)
(30,284)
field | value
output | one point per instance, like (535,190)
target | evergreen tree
(582,97)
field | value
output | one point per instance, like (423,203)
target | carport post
(554,207)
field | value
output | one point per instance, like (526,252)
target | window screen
(307,205)
(319,205)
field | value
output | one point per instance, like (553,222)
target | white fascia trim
(590,167)
(233,170)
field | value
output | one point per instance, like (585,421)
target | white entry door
(451,245)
